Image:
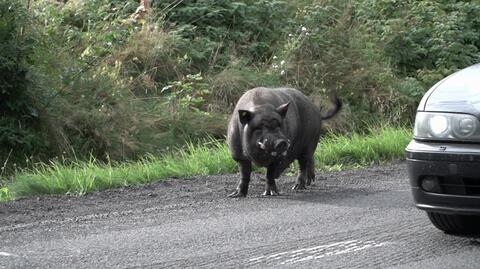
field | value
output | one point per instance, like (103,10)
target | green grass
(211,157)
(380,144)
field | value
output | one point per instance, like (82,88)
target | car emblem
(443,148)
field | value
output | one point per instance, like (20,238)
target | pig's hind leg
(306,174)
(311,172)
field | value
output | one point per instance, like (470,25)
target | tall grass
(379,144)
(211,157)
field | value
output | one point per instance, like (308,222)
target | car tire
(455,224)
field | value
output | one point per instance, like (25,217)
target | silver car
(443,158)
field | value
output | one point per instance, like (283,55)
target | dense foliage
(223,29)
(81,77)
(425,40)
(19,130)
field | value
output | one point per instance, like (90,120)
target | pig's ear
(282,109)
(245,116)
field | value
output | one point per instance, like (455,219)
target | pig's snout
(275,148)
(281,145)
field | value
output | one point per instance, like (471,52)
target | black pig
(272,128)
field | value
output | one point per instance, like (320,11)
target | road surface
(358,218)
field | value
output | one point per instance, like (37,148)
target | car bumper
(455,168)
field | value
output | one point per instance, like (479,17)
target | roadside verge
(210,157)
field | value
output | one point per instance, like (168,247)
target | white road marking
(317,252)
(5,254)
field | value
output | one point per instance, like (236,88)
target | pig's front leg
(270,186)
(245,168)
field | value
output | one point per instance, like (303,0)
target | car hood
(459,92)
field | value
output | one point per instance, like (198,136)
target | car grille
(460,185)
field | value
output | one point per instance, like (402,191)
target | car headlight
(446,126)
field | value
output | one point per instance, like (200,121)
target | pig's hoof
(237,194)
(299,186)
(271,193)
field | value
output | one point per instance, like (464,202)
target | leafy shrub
(247,28)
(151,57)
(15,50)
(327,52)
(4,194)
(115,108)
(19,130)
(426,40)
(228,85)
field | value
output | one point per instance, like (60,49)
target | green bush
(229,84)
(248,28)
(89,28)
(19,131)
(152,58)
(115,108)
(15,50)
(426,40)
(327,51)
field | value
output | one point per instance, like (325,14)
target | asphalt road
(358,218)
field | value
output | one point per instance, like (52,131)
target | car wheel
(455,224)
